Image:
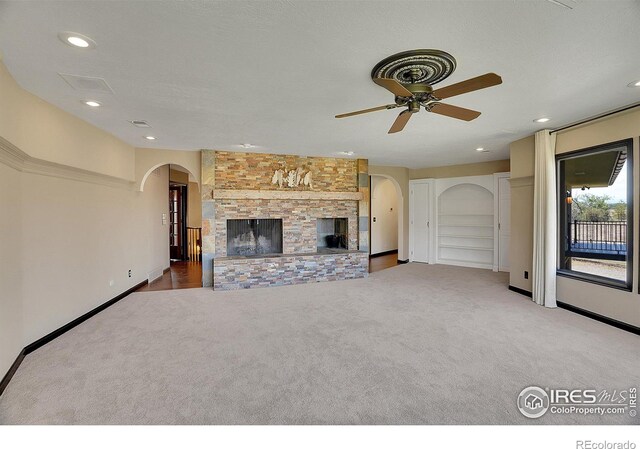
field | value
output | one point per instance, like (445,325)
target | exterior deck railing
(593,238)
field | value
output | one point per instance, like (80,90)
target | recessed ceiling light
(93,104)
(346,153)
(542,120)
(634,84)
(247,145)
(149,137)
(76,39)
(479,149)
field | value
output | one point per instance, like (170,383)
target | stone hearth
(233,273)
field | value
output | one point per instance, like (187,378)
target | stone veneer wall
(238,173)
(299,224)
(234,274)
(253,171)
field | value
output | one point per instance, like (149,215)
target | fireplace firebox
(332,234)
(251,237)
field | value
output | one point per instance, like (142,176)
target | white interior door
(420,222)
(504,223)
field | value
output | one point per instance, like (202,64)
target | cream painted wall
(43,131)
(522,157)
(68,230)
(456,171)
(77,237)
(11,326)
(400,178)
(521,243)
(194,206)
(178,176)
(384,208)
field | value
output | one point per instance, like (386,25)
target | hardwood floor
(382,262)
(180,275)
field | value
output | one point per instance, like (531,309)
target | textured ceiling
(211,74)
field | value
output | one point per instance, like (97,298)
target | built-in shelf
(467,236)
(464,226)
(475,248)
(466,215)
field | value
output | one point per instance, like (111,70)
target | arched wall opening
(181,224)
(384,216)
(399,223)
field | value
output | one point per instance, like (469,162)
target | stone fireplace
(281,219)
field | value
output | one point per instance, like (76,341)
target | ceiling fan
(410,76)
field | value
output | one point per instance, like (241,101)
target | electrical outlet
(526,275)
(129,273)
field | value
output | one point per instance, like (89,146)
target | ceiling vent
(87,83)
(140,123)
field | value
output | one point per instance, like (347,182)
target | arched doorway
(385,225)
(182,225)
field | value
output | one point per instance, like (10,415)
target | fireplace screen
(254,236)
(332,234)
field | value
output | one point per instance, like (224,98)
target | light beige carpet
(412,344)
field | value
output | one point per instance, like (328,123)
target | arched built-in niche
(465,225)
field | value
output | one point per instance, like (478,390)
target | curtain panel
(544,220)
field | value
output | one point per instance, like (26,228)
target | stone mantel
(285,195)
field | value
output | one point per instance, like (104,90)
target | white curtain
(544,220)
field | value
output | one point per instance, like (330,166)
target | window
(596,214)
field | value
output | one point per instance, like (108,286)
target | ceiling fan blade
(393,86)
(364,111)
(454,111)
(400,122)
(477,83)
